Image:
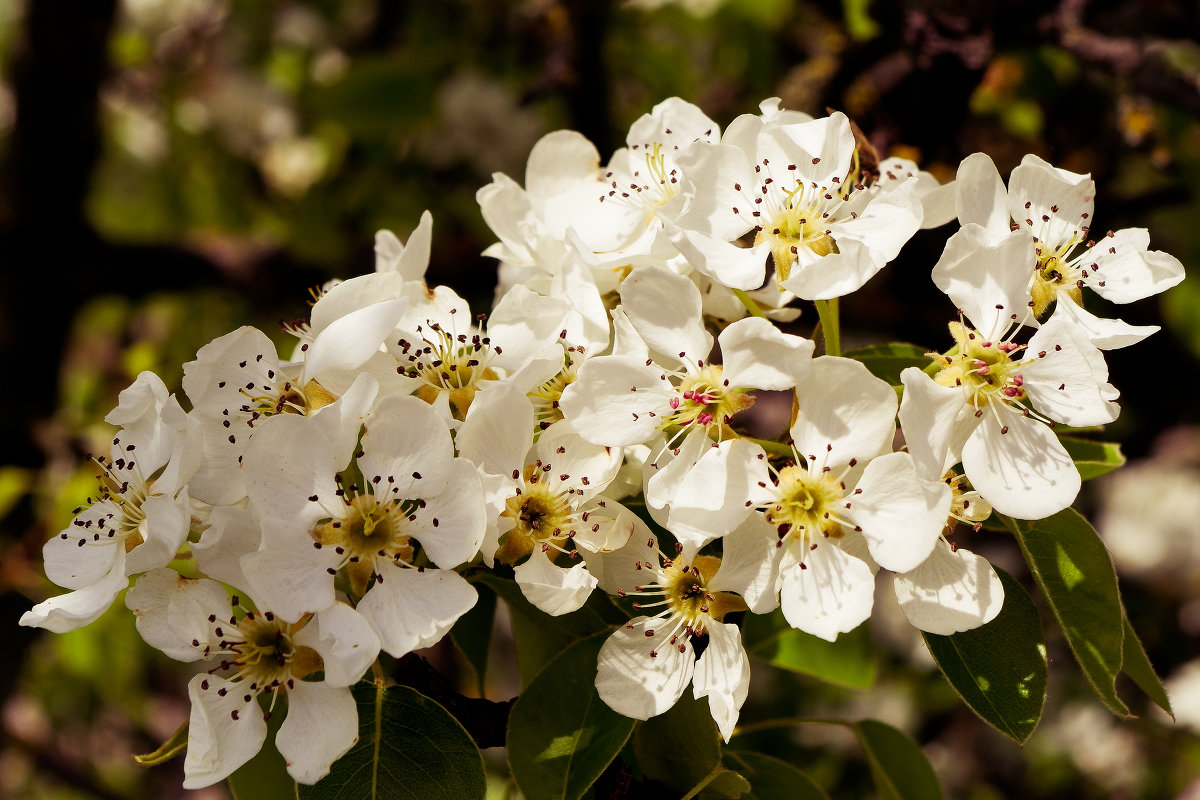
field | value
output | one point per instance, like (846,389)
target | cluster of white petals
(590,431)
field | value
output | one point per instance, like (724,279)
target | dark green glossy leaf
(1093,458)
(681,747)
(848,661)
(409,748)
(472,633)
(887,361)
(1072,567)
(561,735)
(999,669)
(772,778)
(900,769)
(1137,666)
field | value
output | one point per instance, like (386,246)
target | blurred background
(172,169)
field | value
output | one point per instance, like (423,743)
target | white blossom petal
(321,727)
(833,594)
(410,609)
(1024,472)
(723,675)
(952,591)
(900,513)
(554,589)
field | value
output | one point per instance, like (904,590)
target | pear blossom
(662,379)
(551,497)
(988,403)
(138,521)
(645,665)
(396,536)
(846,496)
(1051,215)
(792,186)
(260,654)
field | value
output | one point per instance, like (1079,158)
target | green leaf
(1072,567)
(561,735)
(265,776)
(999,669)
(538,636)
(772,778)
(681,747)
(409,748)
(1093,458)
(472,634)
(900,769)
(887,361)
(848,661)
(1137,666)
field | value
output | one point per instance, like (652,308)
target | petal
(554,589)
(952,591)
(610,401)
(666,310)
(172,612)
(168,520)
(1024,472)
(1054,203)
(900,513)
(987,279)
(832,594)
(936,422)
(316,707)
(410,608)
(980,197)
(290,576)
(711,500)
(845,412)
(750,564)
(756,354)
(1125,269)
(723,675)
(726,263)
(73,610)
(635,683)
(225,730)
(345,641)
(233,532)
(350,340)
(409,260)
(1068,380)
(1105,334)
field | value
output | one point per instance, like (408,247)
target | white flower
(548,497)
(786,184)
(624,399)
(192,619)
(417,507)
(847,495)
(988,403)
(138,521)
(645,665)
(1052,210)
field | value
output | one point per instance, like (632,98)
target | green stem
(827,310)
(709,778)
(749,303)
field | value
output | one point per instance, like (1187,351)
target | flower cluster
(591,434)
